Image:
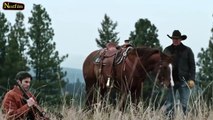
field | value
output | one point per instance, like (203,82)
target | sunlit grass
(198,111)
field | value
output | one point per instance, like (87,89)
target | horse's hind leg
(90,98)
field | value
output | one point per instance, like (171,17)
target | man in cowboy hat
(183,71)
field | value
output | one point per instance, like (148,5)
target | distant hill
(73,74)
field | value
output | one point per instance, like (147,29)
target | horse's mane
(145,52)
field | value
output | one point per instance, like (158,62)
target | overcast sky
(76,22)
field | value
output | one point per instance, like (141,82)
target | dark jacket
(183,62)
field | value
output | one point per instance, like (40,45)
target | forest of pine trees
(34,49)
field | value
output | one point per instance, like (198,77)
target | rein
(137,56)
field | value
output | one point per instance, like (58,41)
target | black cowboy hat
(177,35)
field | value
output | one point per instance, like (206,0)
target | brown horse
(128,72)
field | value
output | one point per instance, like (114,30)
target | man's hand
(30,102)
(191,83)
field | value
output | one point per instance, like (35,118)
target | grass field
(198,111)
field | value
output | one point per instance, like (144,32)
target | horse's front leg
(136,94)
(122,102)
(123,98)
(102,94)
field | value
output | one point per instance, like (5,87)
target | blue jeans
(184,94)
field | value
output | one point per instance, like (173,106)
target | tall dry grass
(197,111)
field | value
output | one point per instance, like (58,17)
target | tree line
(32,49)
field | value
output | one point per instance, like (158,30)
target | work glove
(191,83)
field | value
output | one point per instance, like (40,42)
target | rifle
(41,114)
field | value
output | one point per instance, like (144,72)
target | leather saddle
(107,59)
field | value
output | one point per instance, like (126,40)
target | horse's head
(163,68)
(156,61)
